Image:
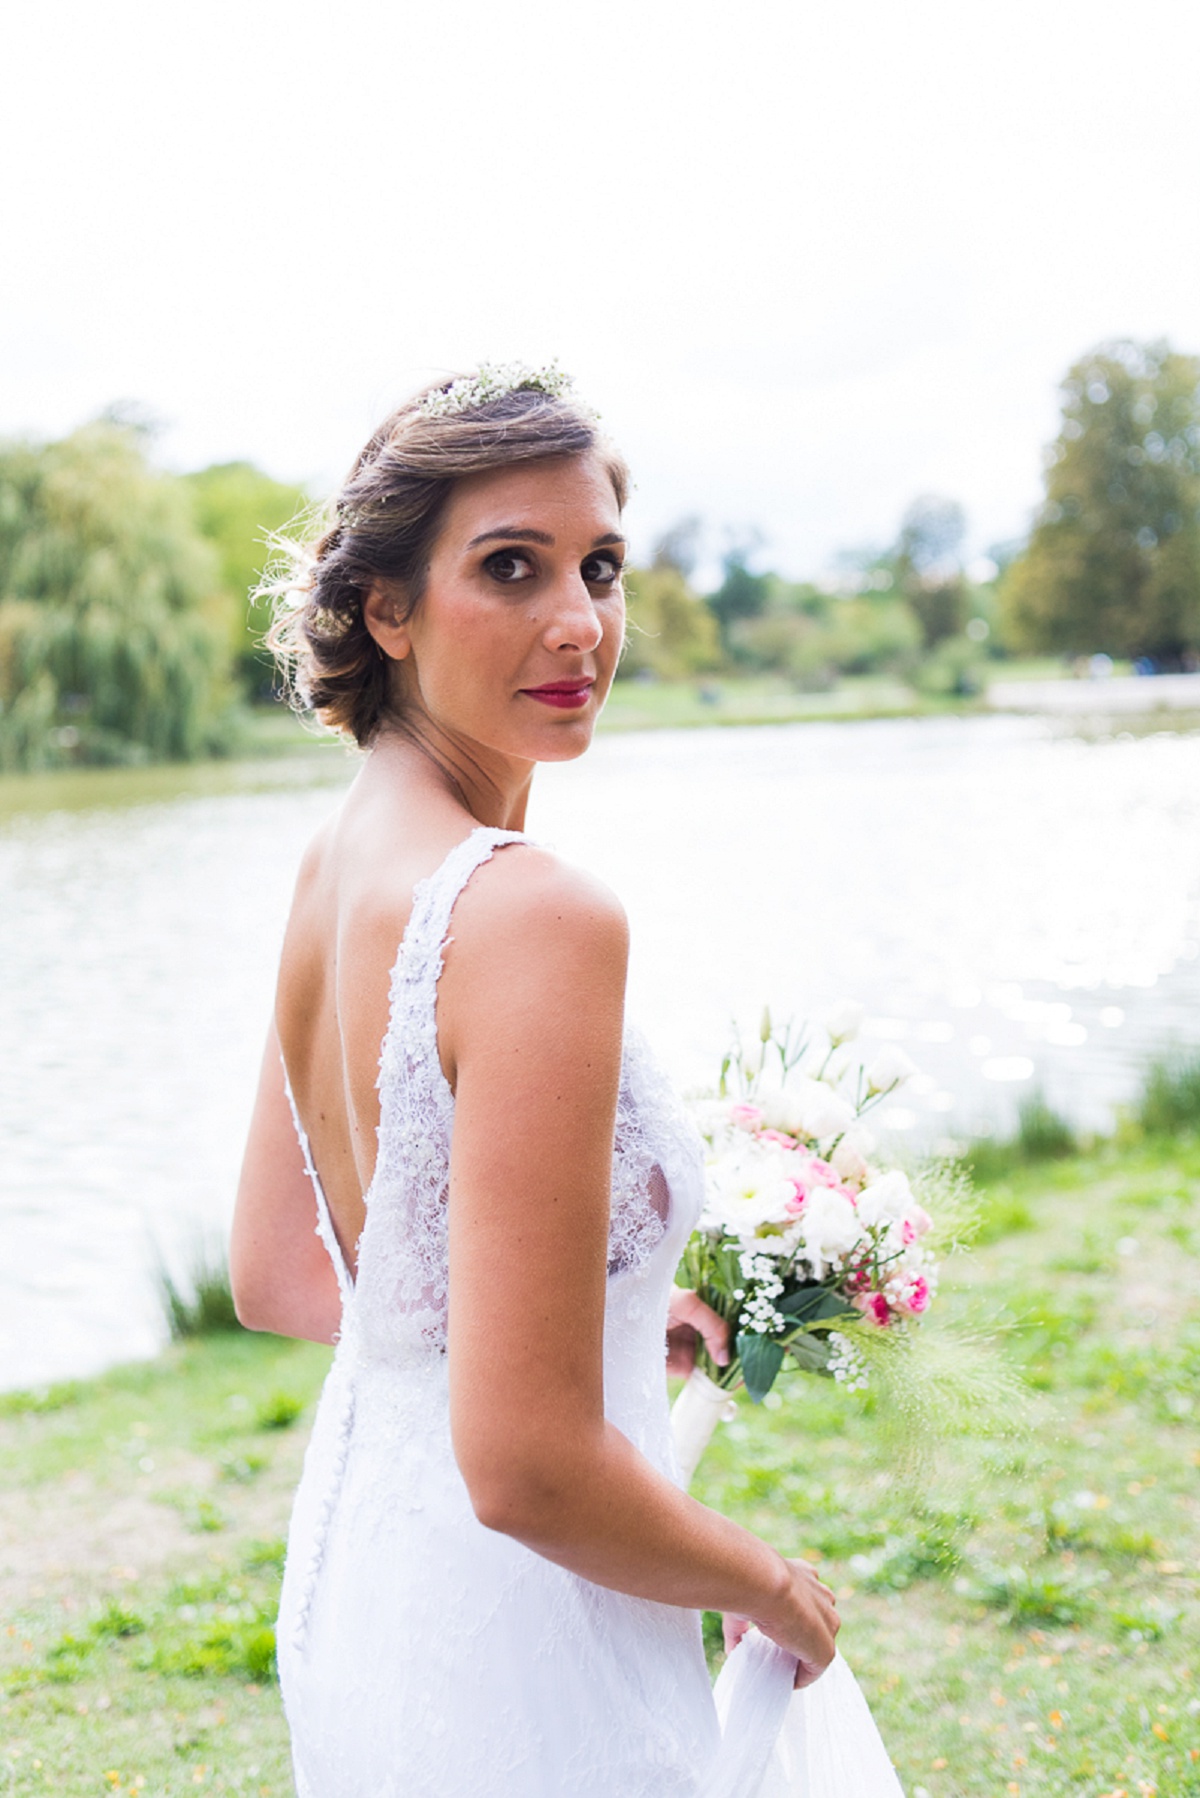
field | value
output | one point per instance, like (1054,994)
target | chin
(566,744)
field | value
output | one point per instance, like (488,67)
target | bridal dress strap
(415,1102)
(325,1229)
(412,1021)
(775,1743)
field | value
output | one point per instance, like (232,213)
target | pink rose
(916,1299)
(746,1117)
(785,1142)
(876,1307)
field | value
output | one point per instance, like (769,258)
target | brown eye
(509,566)
(601,570)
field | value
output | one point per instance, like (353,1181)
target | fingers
(733,1629)
(807,1674)
(688,1308)
(681,1351)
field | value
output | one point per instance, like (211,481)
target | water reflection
(1007,901)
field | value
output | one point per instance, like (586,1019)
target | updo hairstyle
(384,524)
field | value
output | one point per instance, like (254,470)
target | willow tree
(111,646)
(1113,563)
(237,508)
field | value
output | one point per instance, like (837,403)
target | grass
(1025,1616)
(763,699)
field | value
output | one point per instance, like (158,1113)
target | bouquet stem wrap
(700,1407)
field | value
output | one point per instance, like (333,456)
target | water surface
(1013,904)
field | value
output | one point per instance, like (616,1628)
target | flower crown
(494,381)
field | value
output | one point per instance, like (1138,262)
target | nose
(574,621)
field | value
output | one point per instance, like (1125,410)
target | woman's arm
(281,1274)
(530,1022)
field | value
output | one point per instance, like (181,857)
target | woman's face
(514,641)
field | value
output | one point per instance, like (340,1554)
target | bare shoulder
(526,896)
(314,863)
(535,966)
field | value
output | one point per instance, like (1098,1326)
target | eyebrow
(519,534)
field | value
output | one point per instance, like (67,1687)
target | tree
(741,593)
(671,631)
(927,565)
(237,507)
(111,646)
(1113,563)
(813,636)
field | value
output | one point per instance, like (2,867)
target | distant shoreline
(276,748)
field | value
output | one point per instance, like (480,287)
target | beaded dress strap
(412,1024)
(324,1227)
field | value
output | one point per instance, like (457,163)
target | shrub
(1170,1101)
(279,1412)
(1042,1134)
(203,1305)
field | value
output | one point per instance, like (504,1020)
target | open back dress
(420,1654)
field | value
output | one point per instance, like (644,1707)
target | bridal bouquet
(806,1245)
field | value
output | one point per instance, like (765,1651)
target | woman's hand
(806,1625)
(689,1318)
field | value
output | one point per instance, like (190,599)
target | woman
(493,1580)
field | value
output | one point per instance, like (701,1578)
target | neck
(493,789)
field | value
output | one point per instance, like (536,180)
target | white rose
(845,1020)
(886,1200)
(889,1069)
(712,1117)
(749,1189)
(830,1229)
(808,1108)
(847,1162)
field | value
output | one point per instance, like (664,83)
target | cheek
(614,624)
(462,648)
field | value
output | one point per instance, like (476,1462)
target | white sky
(809,260)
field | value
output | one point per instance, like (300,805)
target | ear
(384,614)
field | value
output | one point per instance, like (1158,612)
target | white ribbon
(700,1407)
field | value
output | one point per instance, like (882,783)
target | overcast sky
(809,260)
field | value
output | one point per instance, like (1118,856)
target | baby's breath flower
(494,381)
(846,1364)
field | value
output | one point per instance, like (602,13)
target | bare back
(353,898)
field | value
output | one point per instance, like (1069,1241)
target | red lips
(565,695)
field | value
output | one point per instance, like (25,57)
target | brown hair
(384,523)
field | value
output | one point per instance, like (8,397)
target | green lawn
(762,699)
(1024,1615)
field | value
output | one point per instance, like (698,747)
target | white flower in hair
(494,381)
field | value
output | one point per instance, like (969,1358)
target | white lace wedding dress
(420,1654)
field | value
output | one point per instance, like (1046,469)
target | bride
(493,1578)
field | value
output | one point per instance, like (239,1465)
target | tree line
(1111,564)
(127,631)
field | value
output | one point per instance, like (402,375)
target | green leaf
(809,1352)
(812,1303)
(761,1358)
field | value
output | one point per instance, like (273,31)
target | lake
(1015,905)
